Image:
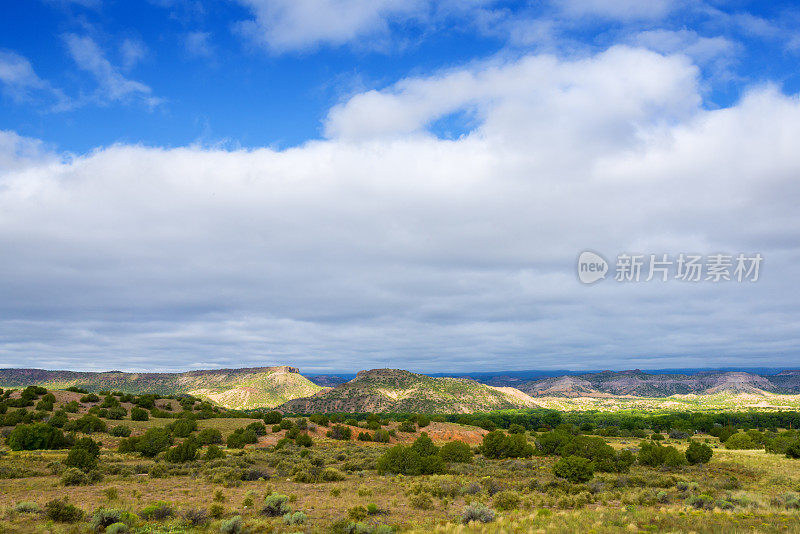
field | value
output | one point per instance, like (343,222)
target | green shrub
(116,413)
(195,516)
(319,419)
(153,442)
(216,511)
(740,441)
(304,440)
(61,511)
(87,424)
(381,436)
(421,501)
(157,511)
(357,513)
(183,452)
(91,397)
(103,518)
(213,452)
(139,414)
(574,469)
(182,428)
(698,453)
(273,418)
(209,436)
(655,455)
(477,512)
(701,502)
(497,444)
(120,431)
(456,452)
(258,428)
(297,518)
(275,505)
(81,459)
(793,449)
(424,446)
(407,426)
(241,437)
(401,460)
(340,432)
(26,507)
(59,419)
(46,403)
(117,528)
(74,477)
(506,500)
(673,458)
(231,526)
(331,474)
(36,436)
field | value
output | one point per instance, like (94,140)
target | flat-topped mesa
(243,370)
(383,373)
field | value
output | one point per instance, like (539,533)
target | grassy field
(737,491)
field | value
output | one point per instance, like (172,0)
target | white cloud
(133,51)
(18,77)
(623,10)
(199,44)
(385,244)
(514,95)
(112,85)
(17,152)
(286,25)
(20,82)
(702,49)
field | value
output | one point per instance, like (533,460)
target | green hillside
(393,390)
(258,387)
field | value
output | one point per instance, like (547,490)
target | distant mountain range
(393,390)
(641,384)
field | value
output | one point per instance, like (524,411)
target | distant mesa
(254,387)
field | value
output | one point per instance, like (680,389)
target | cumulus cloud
(112,85)
(18,152)
(513,96)
(387,246)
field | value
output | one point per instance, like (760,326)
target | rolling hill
(257,387)
(394,390)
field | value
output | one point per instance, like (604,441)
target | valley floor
(738,491)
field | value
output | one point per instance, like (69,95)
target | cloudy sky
(349,184)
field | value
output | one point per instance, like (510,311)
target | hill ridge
(253,387)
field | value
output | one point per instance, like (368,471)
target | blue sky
(348,184)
